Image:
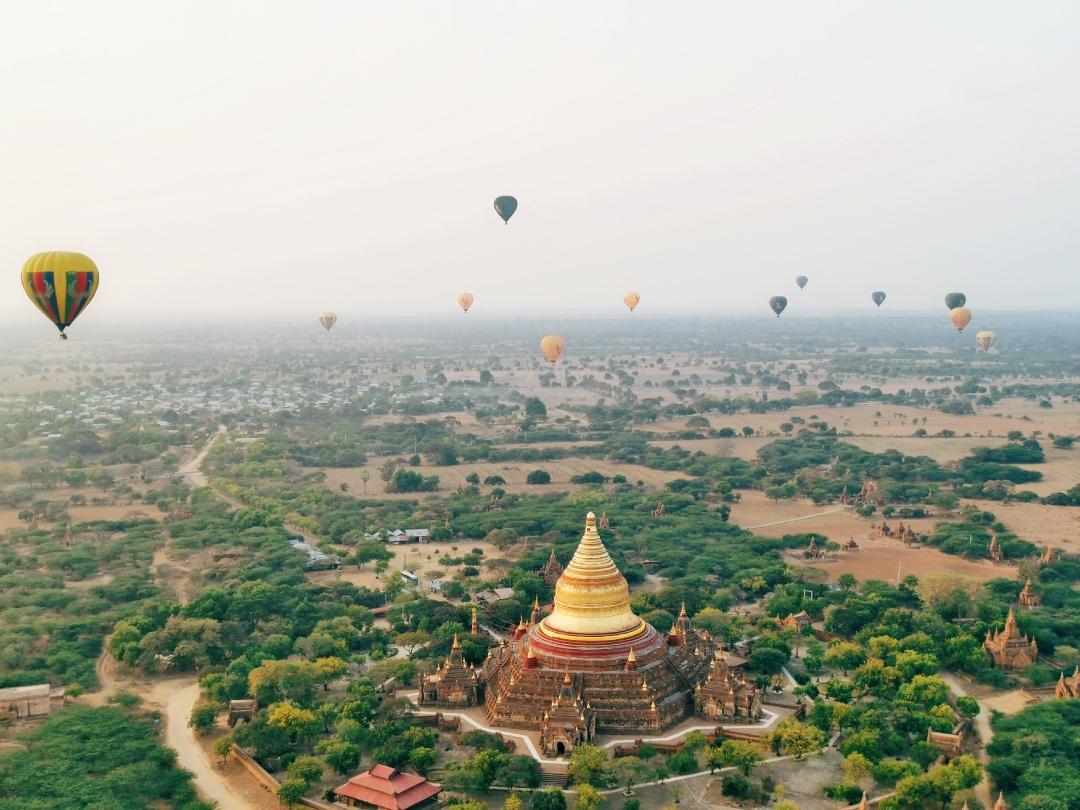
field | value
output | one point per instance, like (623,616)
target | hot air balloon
(961,317)
(801,281)
(985,340)
(954,300)
(877,297)
(327,319)
(465,301)
(505,207)
(60,284)
(777,304)
(631,299)
(552,347)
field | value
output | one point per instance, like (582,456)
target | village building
(551,571)
(1068,688)
(387,788)
(21,702)
(799,621)
(1028,597)
(1008,649)
(592,666)
(950,745)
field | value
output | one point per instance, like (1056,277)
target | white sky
(271,158)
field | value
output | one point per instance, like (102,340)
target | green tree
(628,771)
(223,747)
(291,791)
(844,655)
(968,706)
(422,759)
(792,738)
(588,798)
(204,717)
(330,670)
(857,767)
(586,764)
(550,799)
(307,769)
(343,757)
(744,756)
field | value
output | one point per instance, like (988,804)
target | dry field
(1056,526)
(886,559)
(513,472)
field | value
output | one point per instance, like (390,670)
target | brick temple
(1008,649)
(592,666)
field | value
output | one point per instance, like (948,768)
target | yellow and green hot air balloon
(60,284)
(986,340)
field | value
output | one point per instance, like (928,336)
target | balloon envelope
(985,340)
(465,301)
(505,207)
(954,300)
(327,319)
(961,317)
(552,346)
(631,299)
(60,284)
(801,281)
(877,297)
(777,304)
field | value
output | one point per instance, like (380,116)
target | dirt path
(986,734)
(795,519)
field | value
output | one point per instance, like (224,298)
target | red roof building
(387,788)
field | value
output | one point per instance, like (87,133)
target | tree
(535,408)
(519,770)
(968,706)
(306,769)
(342,756)
(223,747)
(857,767)
(588,798)
(298,723)
(847,581)
(586,764)
(792,738)
(330,670)
(845,655)
(962,773)
(410,641)
(767,659)
(365,476)
(550,799)
(291,791)
(422,759)
(538,477)
(744,756)
(204,717)
(629,771)
(929,690)
(714,758)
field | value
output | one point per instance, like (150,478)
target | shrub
(538,477)
(736,786)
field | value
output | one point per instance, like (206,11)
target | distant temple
(1028,597)
(659,510)
(1049,556)
(813,551)
(1068,687)
(902,533)
(798,620)
(591,666)
(551,571)
(951,745)
(179,512)
(1008,649)
(850,545)
(604,524)
(994,551)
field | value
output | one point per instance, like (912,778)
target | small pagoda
(452,685)
(1029,598)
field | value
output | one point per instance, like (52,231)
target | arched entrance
(560,750)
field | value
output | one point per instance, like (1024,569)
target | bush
(736,786)
(848,794)
(538,477)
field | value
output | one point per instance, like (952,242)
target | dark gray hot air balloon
(954,300)
(801,281)
(877,297)
(505,207)
(777,304)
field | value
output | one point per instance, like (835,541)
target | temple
(452,685)
(1008,649)
(592,666)
(1028,597)
(1068,688)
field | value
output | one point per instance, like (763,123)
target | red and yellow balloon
(61,284)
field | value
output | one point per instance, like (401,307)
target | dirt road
(177,697)
(986,734)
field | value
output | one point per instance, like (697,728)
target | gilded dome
(592,598)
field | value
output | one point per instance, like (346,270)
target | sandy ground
(890,561)
(513,473)
(9,518)
(1056,526)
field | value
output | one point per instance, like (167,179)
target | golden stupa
(592,665)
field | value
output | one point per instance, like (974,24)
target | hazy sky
(271,158)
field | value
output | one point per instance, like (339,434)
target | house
(419,535)
(410,577)
(388,788)
(396,537)
(372,536)
(494,595)
(436,586)
(18,702)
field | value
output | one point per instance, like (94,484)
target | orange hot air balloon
(552,347)
(961,317)
(465,301)
(631,299)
